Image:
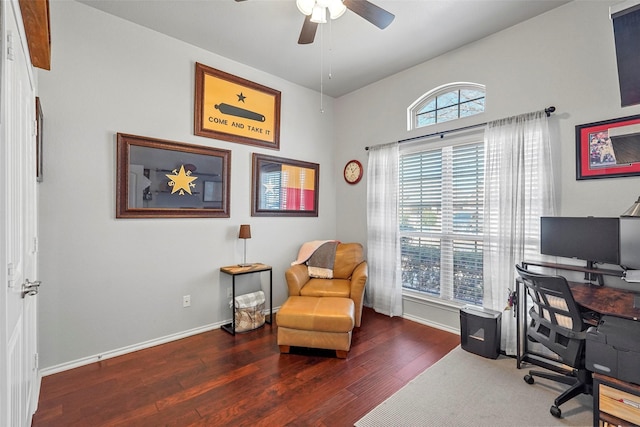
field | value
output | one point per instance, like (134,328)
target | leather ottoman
(316,322)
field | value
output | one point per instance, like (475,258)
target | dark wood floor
(215,379)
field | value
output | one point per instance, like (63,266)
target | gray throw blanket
(320,263)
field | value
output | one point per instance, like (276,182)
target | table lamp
(245,233)
(634,210)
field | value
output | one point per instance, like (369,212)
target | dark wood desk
(599,299)
(604,300)
(609,407)
(569,267)
(590,273)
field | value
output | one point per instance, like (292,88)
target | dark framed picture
(284,187)
(233,109)
(39,137)
(166,179)
(608,149)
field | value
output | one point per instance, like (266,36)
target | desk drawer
(613,348)
(619,404)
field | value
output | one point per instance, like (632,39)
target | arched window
(448,102)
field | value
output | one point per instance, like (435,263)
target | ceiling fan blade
(372,13)
(308,32)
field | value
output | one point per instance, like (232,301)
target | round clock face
(353,171)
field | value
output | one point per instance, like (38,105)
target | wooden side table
(236,270)
(616,402)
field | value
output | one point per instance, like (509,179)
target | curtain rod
(547,111)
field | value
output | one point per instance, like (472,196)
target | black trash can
(480,331)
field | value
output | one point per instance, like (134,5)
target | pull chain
(330,48)
(330,51)
(321,68)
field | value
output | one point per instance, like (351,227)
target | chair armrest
(358,282)
(297,276)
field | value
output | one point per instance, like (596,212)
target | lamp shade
(305,6)
(245,231)
(336,9)
(634,210)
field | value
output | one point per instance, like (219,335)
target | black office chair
(557,323)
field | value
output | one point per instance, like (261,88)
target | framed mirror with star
(284,187)
(157,178)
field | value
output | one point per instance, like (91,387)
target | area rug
(464,389)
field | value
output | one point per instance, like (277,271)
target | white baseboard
(128,349)
(135,347)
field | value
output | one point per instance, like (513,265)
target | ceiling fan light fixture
(319,15)
(305,6)
(336,9)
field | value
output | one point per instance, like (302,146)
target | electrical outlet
(186,301)
(229,293)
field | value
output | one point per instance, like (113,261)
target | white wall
(109,284)
(564,58)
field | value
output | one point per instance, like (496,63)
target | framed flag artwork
(284,187)
(233,109)
(157,178)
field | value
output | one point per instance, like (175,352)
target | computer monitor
(630,243)
(593,239)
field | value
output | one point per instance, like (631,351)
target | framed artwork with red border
(608,149)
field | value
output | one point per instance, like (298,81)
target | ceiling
(351,51)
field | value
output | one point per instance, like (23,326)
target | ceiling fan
(316,12)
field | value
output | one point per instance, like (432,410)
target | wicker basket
(249,311)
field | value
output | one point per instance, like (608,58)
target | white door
(19,381)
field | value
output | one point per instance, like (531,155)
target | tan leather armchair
(349,278)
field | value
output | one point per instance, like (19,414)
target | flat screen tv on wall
(626,31)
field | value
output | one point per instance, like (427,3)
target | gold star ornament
(181,181)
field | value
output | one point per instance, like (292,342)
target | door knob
(30,288)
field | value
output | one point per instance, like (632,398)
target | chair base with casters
(580,381)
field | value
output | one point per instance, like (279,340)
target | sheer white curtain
(518,190)
(384,288)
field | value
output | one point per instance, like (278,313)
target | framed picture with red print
(608,149)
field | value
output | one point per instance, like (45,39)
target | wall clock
(353,172)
